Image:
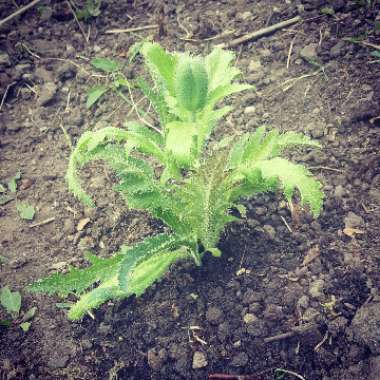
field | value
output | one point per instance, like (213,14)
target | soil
(316,281)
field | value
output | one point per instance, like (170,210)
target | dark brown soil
(212,322)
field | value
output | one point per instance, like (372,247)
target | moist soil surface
(291,297)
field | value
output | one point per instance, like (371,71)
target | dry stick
(260,33)
(296,330)
(46,221)
(18,12)
(295,374)
(5,94)
(131,30)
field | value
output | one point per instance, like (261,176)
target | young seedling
(189,187)
(11,302)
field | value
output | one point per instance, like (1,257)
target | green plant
(90,10)
(172,175)
(11,302)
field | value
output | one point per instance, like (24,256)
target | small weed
(197,185)
(11,302)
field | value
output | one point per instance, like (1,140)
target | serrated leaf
(26,211)
(95,93)
(11,301)
(161,65)
(78,280)
(180,142)
(12,184)
(294,176)
(25,326)
(142,251)
(106,64)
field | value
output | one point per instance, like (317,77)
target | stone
(250,296)
(56,362)
(316,289)
(316,129)
(374,368)
(257,328)
(270,231)
(249,318)
(199,360)
(155,360)
(310,315)
(309,52)
(365,327)
(339,192)
(255,65)
(249,110)
(214,315)
(337,50)
(374,194)
(353,220)
(273,313)
(240,360)
(66,71)
(4,59)
(47,94)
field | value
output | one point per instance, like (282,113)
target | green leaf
(142,251)
(293,176)
(219,71)
(26,211)
(191,83)
(180,141)
(242,209)
(105,64)
(11,301)
(25,326)
(2,188)
(161,65)
(78,280)
(6,322)
(12,184)
(29,314)
(216,252)
(4,199)
(95,93)
(328,11)
(375,54)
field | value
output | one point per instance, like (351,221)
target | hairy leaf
(142,251)
(161,65)
(11,301)
(105,64)
(191,83)
(292,176)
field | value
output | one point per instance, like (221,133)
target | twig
(46,221)
(286,224)
(5,94)
(225,376)
(325,168)
(296,330)
(216,37)
(77,21)
(131,30)
(295,374)
(319,345)
(293,81)
(19,12)
(260,33)
(290,53)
